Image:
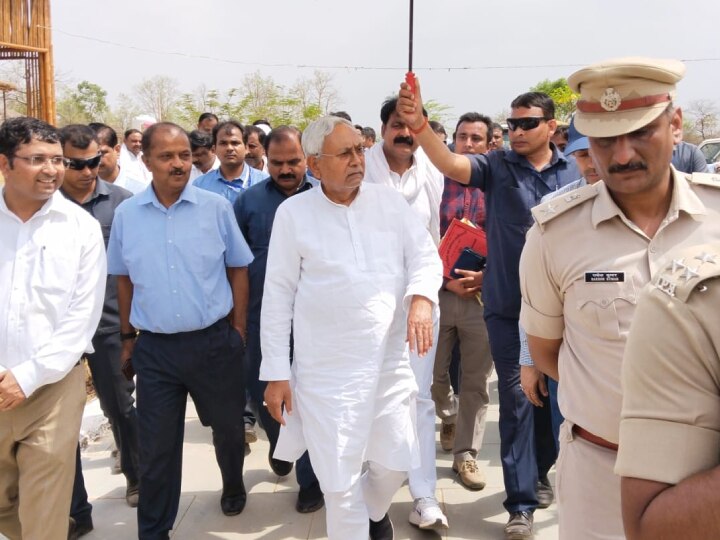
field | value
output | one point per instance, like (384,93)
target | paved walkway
(270,513)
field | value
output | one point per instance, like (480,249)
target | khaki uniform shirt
(670,427)
(581,271)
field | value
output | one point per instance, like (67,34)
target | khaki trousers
(38,441)
(463,319)
(588,491)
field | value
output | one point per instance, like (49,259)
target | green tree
(564,98)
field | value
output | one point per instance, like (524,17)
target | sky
(471,55)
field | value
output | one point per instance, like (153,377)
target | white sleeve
(76,327)
(281,281)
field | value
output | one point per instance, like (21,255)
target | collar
(361,188)
(102,188)
(242,179)
(148,196)
(683,199)
(305,184)
(53,204)
(513,157)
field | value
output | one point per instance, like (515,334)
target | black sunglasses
(527,123)
(79,164)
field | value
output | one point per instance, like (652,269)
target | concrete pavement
(270,513)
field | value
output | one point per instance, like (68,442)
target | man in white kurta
(397,162)
(352,273)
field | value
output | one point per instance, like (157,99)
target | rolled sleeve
(479,170)
(670,421)
(541,312)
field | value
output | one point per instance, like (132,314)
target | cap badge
(610,100)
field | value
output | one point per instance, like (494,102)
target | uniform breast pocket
(512,205)
(606,309)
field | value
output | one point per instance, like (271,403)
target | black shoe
(232,505)
(519,526)
(278,466)
(382,530)
(544,493)
(310,499)
(76,529)
(132,495)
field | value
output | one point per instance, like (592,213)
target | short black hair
(254,129)
(282,133)
(104,133)
(147,137)
(200,139)
(77,135)
(130,131)
(388,107)
(227,127)
(437,127)
(22,130)
(369,133)
(262,121)
(206,115)
(342,114)
(473,117)
(495,126)
(535,99)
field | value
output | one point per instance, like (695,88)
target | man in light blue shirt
(233,176)
(181,263)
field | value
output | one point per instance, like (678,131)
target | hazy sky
(506,46)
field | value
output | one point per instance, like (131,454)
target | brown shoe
(519,526)
(471,476)
(447,437)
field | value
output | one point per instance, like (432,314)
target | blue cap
(576,141)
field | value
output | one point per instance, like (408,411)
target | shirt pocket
(512,205)
(606,309)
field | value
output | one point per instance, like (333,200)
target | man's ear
(5,165)
(117,149)
(676,124)
(552,126)
(146,160)
(312,163)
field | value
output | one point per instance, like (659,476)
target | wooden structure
(25,34)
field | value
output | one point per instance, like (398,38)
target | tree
(703,114)
(81,105)
(559,91)
(159,97)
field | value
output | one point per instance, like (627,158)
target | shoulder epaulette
(704,179)
(544,212)
(688,270)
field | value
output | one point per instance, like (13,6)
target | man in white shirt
(53,271)
(400,164)
(344,292)
(131,156)
(109,169)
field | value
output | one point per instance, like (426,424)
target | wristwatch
(128,335)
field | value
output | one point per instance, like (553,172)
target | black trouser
(207,364)
(115,394)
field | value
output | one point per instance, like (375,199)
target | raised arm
(409,108)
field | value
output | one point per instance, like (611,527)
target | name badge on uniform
(604,277)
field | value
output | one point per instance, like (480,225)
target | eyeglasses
(526,124)
(77,164)
(348,153)
(40,161)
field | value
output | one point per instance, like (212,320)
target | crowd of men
(292,280)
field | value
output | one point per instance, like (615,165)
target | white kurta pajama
(342,277)
(422,187)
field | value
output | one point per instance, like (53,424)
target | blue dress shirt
(255,212)
(214,181)
(176,258)
(512,187)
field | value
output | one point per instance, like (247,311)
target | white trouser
(423,479)
(588,491)
(348,512)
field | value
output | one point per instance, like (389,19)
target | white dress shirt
(53,273)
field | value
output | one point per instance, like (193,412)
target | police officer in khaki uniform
(588,256)
(670,426)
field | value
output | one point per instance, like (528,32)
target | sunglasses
(79,164)
(527,123)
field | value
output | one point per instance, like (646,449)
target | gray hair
(314,135)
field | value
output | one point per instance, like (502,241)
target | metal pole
(410,55)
